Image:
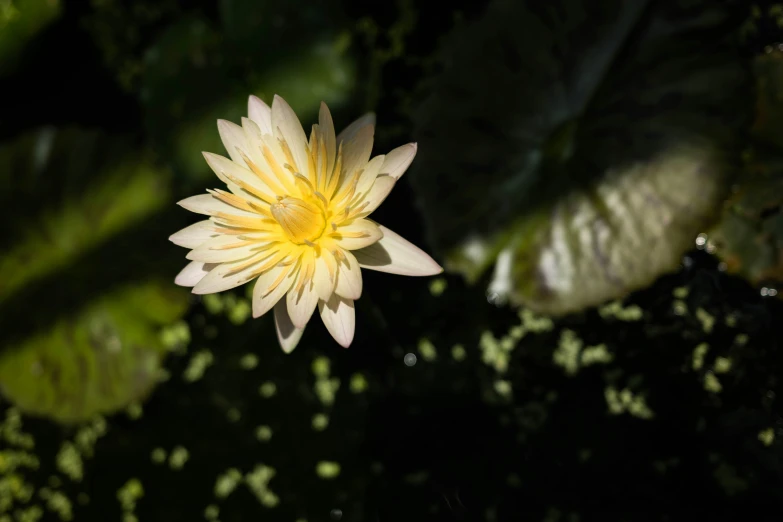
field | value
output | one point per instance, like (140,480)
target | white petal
(349,277)
(287,334)
(395,255)
(260,113)
(398,160)
(253,135)
(226,276)
(286,125)
(209,205)
(322,279)
(326,128)
(339,318)
(234,139)
(193,273)
(301,304)
(378,192)
(223,249)
(353,128)
(371,171)
(370,234)
(263,301)
(227,171)
(356,153)
(194,235)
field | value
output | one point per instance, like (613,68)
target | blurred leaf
(749,237)
(105,357)
(584,144)
(768,69)
(20,20)
(197,72)
(64,193)
(253,24)
(322,74)
(81,299)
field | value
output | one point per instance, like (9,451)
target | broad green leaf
(221,72)
(64,193)
(581,145)
(98,361)
(86,272)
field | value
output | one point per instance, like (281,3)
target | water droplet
(409,359)
(336,514)
(701,240)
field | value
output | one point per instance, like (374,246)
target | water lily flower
(295,219)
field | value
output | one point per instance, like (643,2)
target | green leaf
(87,272)
(102,359)
(64,193)
(583,145)
(221,68)
(21,20)
(749,236)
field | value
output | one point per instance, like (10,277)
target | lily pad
(97,362)
(581,145)
(225,62)
(65,191)
(83,292)
(749,236)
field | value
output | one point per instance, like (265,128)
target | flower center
(302,221)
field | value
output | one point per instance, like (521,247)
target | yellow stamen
(231,199)
(227,229)
(233,245)
(356,211)
(263,176)
(277,282)
(312,156)
(329,265)
(281,175)
(258,223)
(248,188)
(270,262)
(300,220)
(287,153)
(350,235)
(304,184)
(258,258)
(334,176)
(323,158)
(306,277)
